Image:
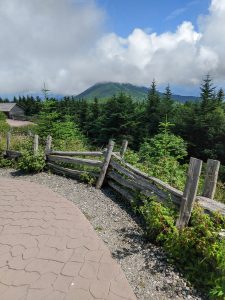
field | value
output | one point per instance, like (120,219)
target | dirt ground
(17,123)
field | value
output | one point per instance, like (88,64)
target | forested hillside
(201,124)
(106,90)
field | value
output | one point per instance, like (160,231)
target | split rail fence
(127,180)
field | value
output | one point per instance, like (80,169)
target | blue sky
(151,15)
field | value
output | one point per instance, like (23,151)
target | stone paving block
(3,288)
(30,253)
(78,294)
(38,294)
(18,263)
(49,250)
(4,249)
(74,243)
(100,289)
(81,283)
(4,259)
(79,254)
(24,278)
(89,270)
(17,250)
(7,276)
(63,283)
(63,255)
(57,242)
(71,268)
(44,281)
(56,296)
(15,293)
(108,271)
(94,255)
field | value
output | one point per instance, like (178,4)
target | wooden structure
(12,110)
(128,181)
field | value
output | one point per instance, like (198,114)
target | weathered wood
(122,168)
(48,144)
(123,148)
(123,181)
(13,154)
(77,153)
(8,141)
(73,160)
(117,156)
(35,144)
(190,192)
(69,172)
(212,171)
(157,181)
(210,205)
(125,194)
(105,164)
(135,186)
(142,184)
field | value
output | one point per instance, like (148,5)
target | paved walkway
(48,249)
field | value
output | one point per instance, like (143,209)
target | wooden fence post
(212,171)
(123,148)
(35,144)
(190,192)
(8,141)
(48,145)
(105,164)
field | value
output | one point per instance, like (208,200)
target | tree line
(200,123)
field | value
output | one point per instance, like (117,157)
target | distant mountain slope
(108,89)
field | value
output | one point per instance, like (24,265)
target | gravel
(145,265)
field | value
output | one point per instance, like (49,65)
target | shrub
(87,178)
(30,162)
(197,250)
(6,163)
(2,116)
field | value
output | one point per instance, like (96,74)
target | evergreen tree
(220,96)
(207,94)
(166,106)
(152,117)
(117,120)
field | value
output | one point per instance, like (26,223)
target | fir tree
(152,110)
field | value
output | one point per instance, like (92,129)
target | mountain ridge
(105,90)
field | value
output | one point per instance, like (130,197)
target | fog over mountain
(65,44)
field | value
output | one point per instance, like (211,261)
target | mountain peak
(106,90)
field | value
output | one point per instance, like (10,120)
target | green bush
(87,178)
(4,128)
(2,116)
(6,163)
(218,291)
(160,155)
(197,250)
(29,162)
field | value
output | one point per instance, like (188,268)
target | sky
(72,44)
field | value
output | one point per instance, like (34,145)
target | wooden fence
(128,181)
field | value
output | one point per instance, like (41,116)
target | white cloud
(45,40)
(63,43)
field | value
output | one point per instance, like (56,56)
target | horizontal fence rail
(129,181)
(77,153)
(68,172)
(72,160)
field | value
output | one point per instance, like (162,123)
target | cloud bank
(63,43)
